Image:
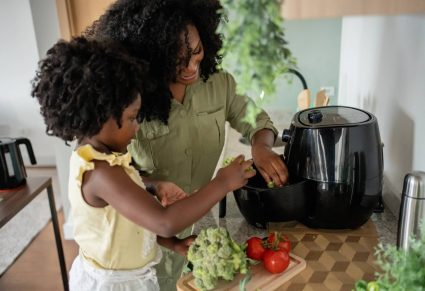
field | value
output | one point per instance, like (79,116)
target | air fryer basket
(260,205)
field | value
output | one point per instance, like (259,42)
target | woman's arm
(175,244)
(167,192)
(262,136)
(268,163)
(115,187)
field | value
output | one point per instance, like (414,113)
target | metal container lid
(333,116)
(414,185)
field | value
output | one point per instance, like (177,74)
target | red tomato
(275,261)
(255,249)
(282,242)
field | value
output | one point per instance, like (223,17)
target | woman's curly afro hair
(151,30)
(81,84)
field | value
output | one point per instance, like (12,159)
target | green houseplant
(400,270)
(255,50)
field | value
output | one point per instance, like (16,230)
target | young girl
(91,91)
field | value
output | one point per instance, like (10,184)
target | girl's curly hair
(151,30)
(81,84)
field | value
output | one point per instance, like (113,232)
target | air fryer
(335,163)
(339,150)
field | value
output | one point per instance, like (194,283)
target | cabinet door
(76,15)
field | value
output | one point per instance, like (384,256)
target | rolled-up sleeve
(236,109)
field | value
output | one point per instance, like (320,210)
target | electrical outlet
(330,90)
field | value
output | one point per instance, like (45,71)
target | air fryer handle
(27,143)
(286,135)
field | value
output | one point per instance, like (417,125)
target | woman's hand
(181,246)
(168,192)
(270,165)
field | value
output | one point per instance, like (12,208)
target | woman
(189,101)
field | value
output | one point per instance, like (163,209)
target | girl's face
(117,139)
(189,74)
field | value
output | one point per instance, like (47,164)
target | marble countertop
(240,230)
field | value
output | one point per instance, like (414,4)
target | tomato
(275,261)
(255,249)
(282,242)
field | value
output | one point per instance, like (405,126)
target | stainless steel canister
(412,208)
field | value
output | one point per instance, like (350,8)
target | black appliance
(12,168)
(335,152)
(260,204)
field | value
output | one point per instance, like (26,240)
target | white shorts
(85,277)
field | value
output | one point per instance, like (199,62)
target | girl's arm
(113,186)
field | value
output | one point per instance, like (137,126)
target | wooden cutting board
(336,258)
(261,278)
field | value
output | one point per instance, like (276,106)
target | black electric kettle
(12,169)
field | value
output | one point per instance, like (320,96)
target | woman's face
(189,74)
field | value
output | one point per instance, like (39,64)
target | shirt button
(149,135)
(182,112)
(188,152)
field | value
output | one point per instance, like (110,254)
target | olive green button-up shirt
(186,150)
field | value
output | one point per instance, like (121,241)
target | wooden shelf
(310,9)
(76,15)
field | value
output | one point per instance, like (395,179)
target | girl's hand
(270,165)
(236,174)
(181,246)
(168,192)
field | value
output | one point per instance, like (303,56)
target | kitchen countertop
(240,230)
(336,259)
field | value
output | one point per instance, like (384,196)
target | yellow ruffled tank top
(106,238)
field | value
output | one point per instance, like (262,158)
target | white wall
(19,54)
(46,24)
(46,27)
(28,28)
(315,43)
(382,70)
